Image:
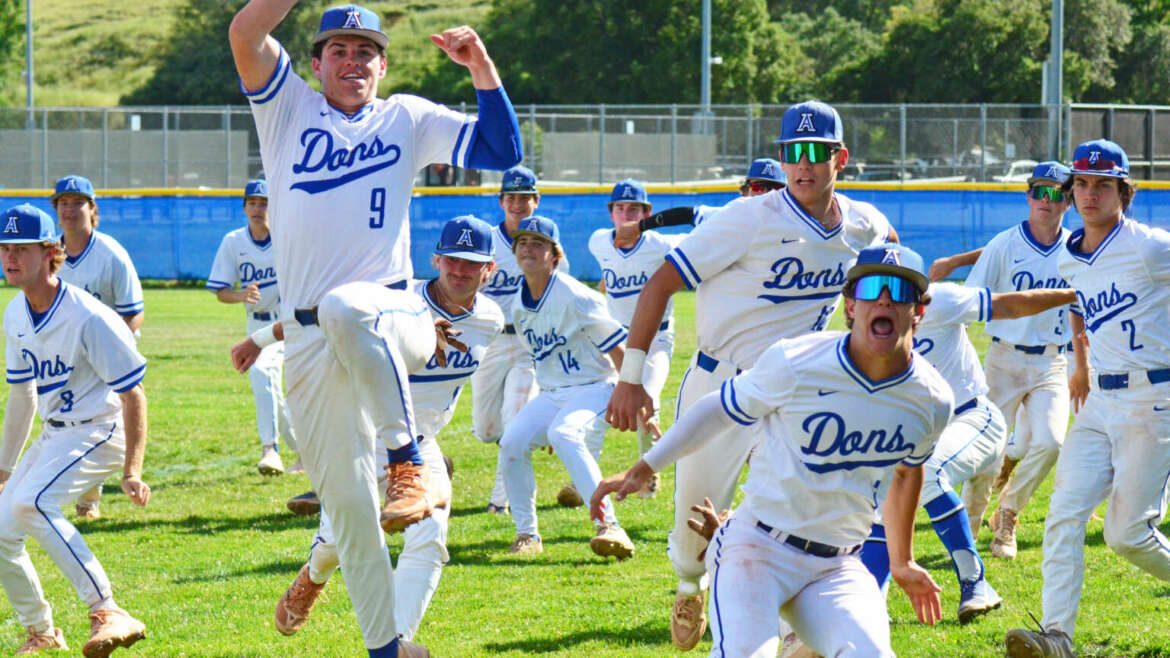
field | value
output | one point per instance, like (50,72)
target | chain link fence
(216,147)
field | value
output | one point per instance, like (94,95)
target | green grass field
(205,563)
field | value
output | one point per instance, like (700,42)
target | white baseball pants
(58,467)
(347,388)
(966,452)
(500,387)
(712,472)
(833,604)
(1037,385)
(266,377)
(561,418)
(424,551)
(1119,446)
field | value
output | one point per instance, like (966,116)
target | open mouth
(882,327)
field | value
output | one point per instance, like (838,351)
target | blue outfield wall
(174,235)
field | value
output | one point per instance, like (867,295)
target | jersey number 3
(378,206)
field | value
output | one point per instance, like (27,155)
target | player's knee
(338,310)
(25,511)
(428,549)
(513,446)
(1127,538)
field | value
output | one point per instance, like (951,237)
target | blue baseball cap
(811,121)
(1050,171)
(890,258)
(767,169)
(256,187)
(519,180)
(1101,157)
(467,237)
(73,184)
(542,227)
(26,224)
(351,19)
(629,190)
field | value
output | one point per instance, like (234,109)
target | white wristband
(263,337)
(632,364)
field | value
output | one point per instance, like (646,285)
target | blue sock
(388,651)
(953,527)
(875,556)
(407,453)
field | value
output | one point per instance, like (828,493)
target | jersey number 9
(378,206)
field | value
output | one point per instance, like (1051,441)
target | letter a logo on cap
(1051,173)
(806,123)
(891,258)
(12,227)
(465,238)
(353,20)
(1094,156)
(769,170)
(71,184)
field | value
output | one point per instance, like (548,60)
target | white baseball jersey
(504,282)
(1012,261)
(942,337)
(1123,294)
(242,260)
(435,389)
(831,437)
(567,330)
(626,271)
(341,185)
(79,353)
(701,213)
(105,271)
(769,270)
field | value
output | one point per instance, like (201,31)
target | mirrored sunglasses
(816,152)
(870,286)
(1046,193)
(759,186)
(1100,164)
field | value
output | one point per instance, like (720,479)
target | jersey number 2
(378,205)
(1128,325)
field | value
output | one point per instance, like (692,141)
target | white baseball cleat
(793,647)
(88,509)
(611,540)
(270,463)
(408,649)
(38,641)
(526,545)
(977,598)
(651,488)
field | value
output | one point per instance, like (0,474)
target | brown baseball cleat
(611,541)
(1003,544)
(110,629)
(88,510)
(688,620)
(569,497)
(306,504)
(408,496)
(526,545)
(1023,643)
(42,641)
(292,610)
(408,649)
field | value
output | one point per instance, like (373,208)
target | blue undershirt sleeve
(495,138)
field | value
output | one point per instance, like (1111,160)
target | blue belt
(809,546)
(1115,382)
(264,317)
(58,424)
(1035,349)
(709,363)
(307,317)
(969,404)
(664,326)
(510,329)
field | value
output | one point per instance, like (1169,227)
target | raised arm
(942,268)
(1008,305)
(250,34)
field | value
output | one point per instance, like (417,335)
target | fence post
(44,148)
(227,129)
(1150,143)
(165,154)
(982,142)
(748,143)
(673,143)
(105,147)
(601,144)
(532,135)
(902,141)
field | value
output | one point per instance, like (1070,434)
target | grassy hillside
(96,55)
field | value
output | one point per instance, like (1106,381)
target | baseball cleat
(88,510)
(651,488)
(793,647)
(976,598)
(292,610)
(568,496)
(611,541)
(408,649)
(408,496)
(1003,523)
(688,620)
(270,463)
(1005,473)
(1023,643)
(110,629)
(38,642)
(526,545)
(297,467)
(502,510)
(306,504)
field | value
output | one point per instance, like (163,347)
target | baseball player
(845,421)
(569,333)
(96,262)
(463,257)
(764,175)
(340,166)
(72,360)
(1118,443)
(626,266)
(766,267)
(506,380)
(975,437)
(245,257)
